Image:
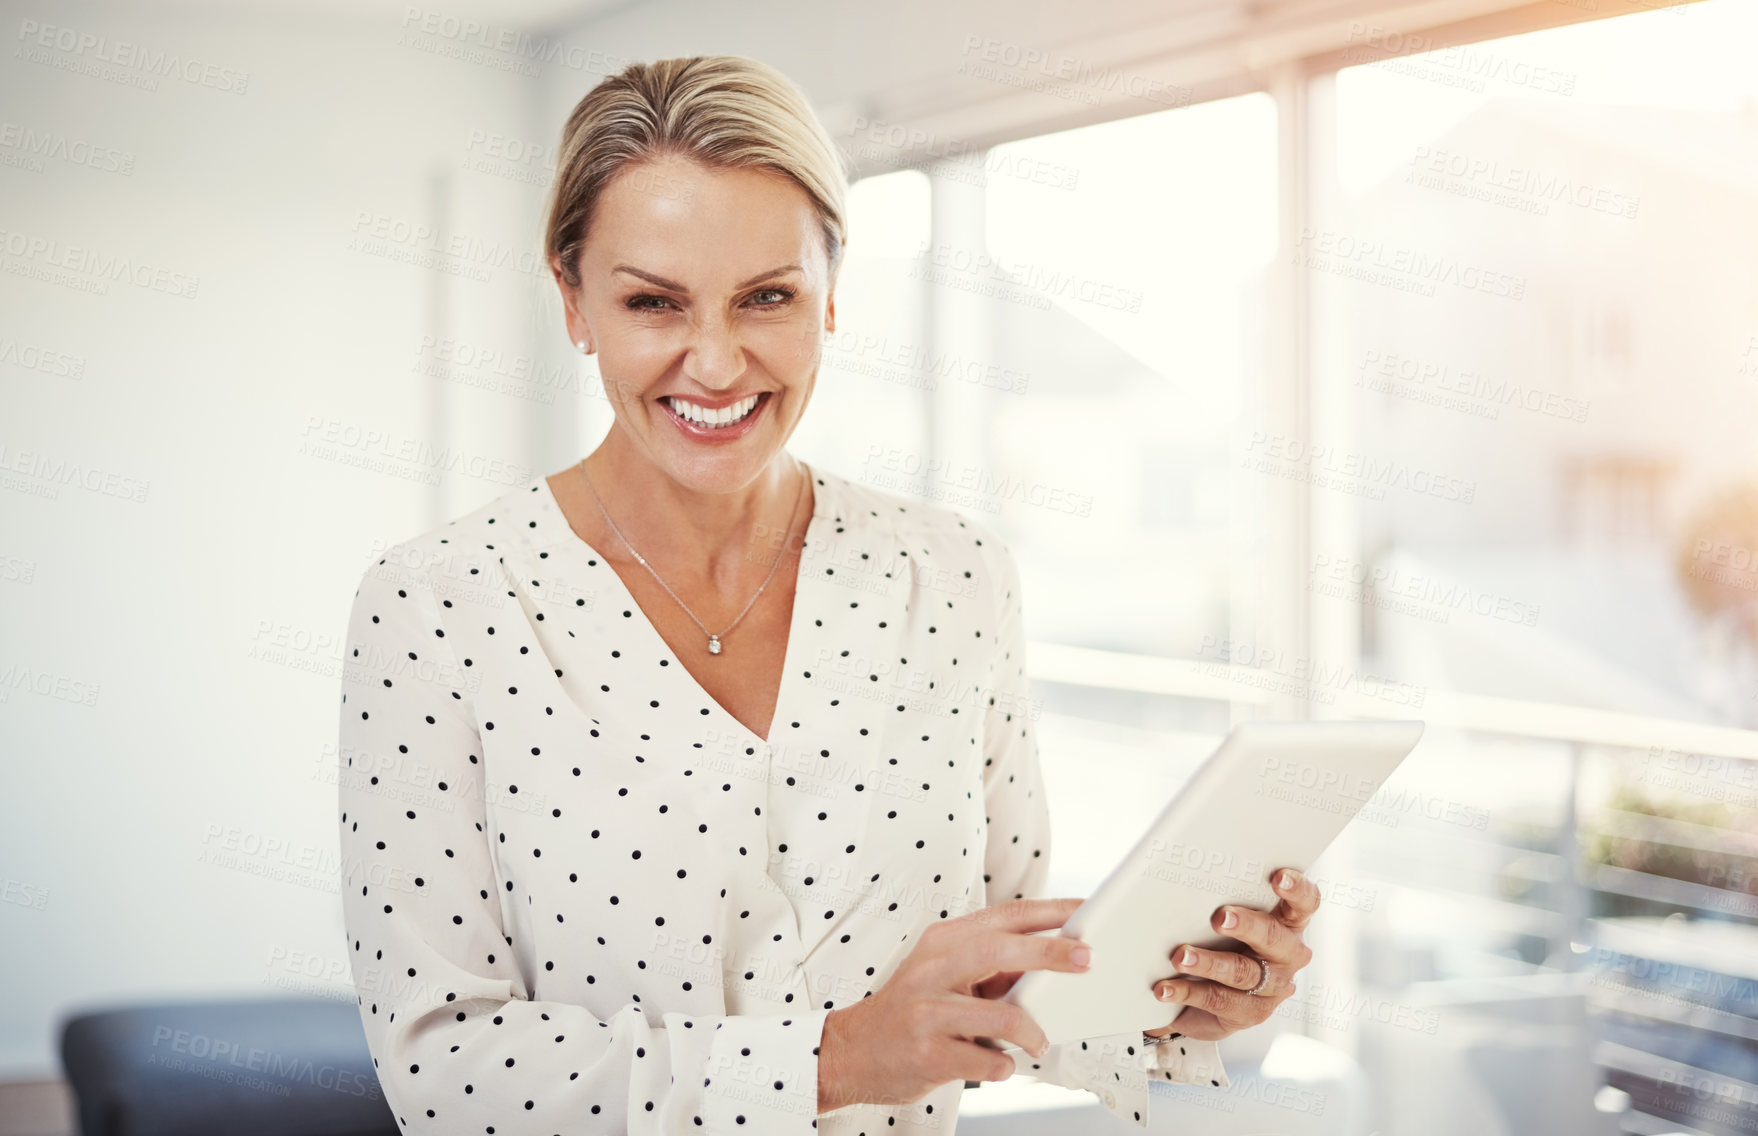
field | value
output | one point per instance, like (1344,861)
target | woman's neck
(719,535)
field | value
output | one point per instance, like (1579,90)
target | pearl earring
(581,344)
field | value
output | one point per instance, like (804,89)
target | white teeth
(703,416)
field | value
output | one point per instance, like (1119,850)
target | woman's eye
(781,296)
(762,298)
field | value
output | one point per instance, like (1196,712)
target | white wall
(137,716)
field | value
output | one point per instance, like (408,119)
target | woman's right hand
(915,1033)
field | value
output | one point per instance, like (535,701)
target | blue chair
(282,1067)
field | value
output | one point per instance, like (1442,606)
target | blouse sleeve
(457,1040)
(1115,1068)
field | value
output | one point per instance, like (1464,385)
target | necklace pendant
(714,644)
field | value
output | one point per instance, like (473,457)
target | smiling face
(705,294)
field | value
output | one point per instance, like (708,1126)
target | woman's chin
(716,464)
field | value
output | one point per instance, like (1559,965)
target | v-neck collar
(823,513)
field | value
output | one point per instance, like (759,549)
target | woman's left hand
(1216,1002)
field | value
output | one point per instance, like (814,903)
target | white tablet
(1274,795)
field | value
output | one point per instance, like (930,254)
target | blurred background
(1318,358)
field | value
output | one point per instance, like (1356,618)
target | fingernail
(1230,920)
(1041,1050)
(1288,876)
(1081,956)
(1169,994)
(1187,958)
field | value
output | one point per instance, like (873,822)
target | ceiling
(518,14)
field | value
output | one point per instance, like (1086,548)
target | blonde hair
(724,111)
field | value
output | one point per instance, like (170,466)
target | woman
(691,787)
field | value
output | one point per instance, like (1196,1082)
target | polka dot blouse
(581,897)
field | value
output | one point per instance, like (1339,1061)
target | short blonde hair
(724,111)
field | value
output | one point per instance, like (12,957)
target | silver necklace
(714,647)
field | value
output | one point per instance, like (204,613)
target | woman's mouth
(715,424)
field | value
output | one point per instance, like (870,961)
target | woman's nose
(716,358)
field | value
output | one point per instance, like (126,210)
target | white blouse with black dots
(581,897)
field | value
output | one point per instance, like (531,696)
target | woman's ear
(578,332)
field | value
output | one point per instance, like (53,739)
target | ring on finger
(1263,979)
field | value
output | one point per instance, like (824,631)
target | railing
(1188,678)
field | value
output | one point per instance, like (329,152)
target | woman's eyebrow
(675,287)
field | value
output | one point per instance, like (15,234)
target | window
(875,380)
(1535,277)
(1109,465)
